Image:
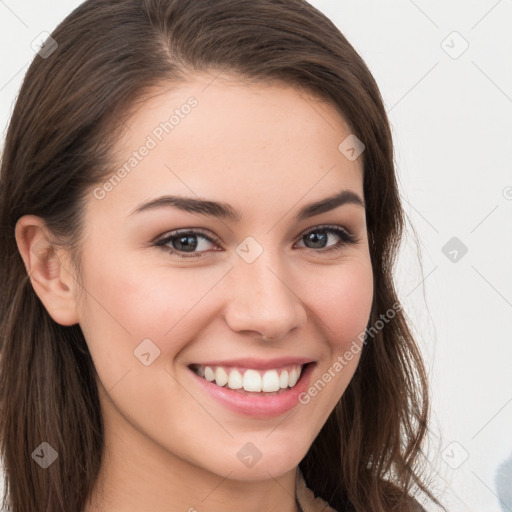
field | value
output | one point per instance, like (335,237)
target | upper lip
(258,364)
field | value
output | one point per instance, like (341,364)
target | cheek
(342,302)
(126,305)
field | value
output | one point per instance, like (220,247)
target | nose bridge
(263,297)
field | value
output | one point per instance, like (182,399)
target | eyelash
(346,237)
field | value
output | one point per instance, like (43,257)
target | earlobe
(52,281)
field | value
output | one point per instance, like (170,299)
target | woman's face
(155,305)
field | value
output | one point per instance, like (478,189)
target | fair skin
(267,150)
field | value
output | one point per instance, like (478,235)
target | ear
(52,281)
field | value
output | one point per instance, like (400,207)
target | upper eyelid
(215,239)
(186,231)
(327,227)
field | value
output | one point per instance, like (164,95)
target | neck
(137,475)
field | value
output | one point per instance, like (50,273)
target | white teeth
(270,381)
(209,374)
(221,377)
(283,379)
(252,380)
(293,377)
(235,379)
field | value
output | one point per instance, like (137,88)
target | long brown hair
(68,114)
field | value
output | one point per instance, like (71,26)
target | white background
(451,115)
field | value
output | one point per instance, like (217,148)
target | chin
(259,460)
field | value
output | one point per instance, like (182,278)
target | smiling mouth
(252,381)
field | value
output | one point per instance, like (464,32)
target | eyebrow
(227,212)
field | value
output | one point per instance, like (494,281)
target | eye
(187,243)
(319,236)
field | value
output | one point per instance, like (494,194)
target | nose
(264,298)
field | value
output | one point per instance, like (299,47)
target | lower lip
(258,405)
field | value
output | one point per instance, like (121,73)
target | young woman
(199,217)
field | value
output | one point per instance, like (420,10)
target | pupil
(189,243)
(322,239)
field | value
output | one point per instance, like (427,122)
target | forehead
(232,140)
